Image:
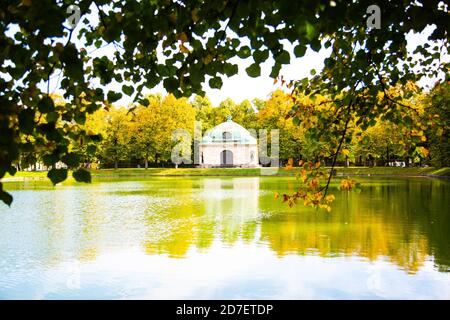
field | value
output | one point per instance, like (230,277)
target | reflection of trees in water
(404,221)
(172,228)
(223,209)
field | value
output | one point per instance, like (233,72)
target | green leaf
(275,70)
(144,102)
(407,120)
(98,43)
(244,52)
(215,83)
(50,159)
(260,55)
(254,70)
(171,84)
(80,117)
(26,120)
(46,105)
(128,90)
(82,175)
(310,31)
(315,45)
(114,96)
(57,175)
(283,57)
(329,63)
(95,137)
(52,116)
(71,159)
(230,69)
(12,170)
(91,149)
(6,197)
(300,50)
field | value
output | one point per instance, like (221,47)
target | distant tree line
(141,136)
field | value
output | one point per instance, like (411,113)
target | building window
(226,135)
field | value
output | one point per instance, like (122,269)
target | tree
(439,133)
(379,143)
(244,114)
(151,127)
(203,111)
(116,140)
(37,43)
(272,115)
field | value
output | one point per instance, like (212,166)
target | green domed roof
(228,131)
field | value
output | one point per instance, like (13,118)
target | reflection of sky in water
(239,272)
(223,238)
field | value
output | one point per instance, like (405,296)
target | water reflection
(405,221)
(213,208)
(208,221)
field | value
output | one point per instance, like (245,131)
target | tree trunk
(116,164)
(146,163)
(387,155)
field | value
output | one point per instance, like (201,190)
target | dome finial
(229,117)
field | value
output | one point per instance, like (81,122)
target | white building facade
(228,145)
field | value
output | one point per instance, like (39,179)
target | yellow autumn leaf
(182,37)
(314,184)
(347,184)
(424,152)
(183,48)
(329,198)
(207,59)
(289,164)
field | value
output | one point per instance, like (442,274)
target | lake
(224,238)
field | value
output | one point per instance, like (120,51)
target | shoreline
(441,173)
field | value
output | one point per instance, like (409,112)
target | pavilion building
(228,145)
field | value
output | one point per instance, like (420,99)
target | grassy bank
(393,171)
(340,171)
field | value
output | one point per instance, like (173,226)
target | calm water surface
(227,238)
